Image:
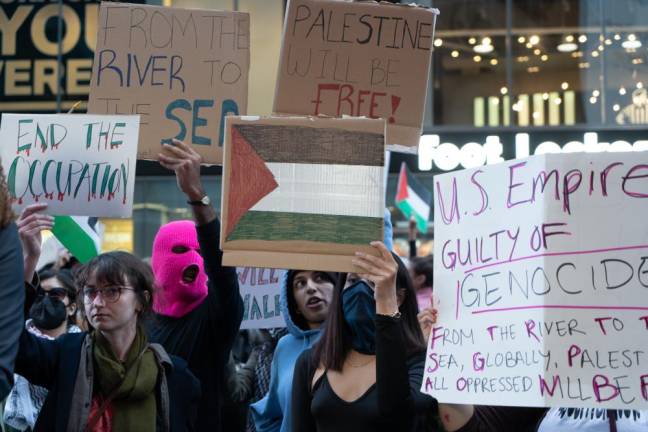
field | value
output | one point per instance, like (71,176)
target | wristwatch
(204,201)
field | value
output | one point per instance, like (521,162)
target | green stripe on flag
(75,238)
(408,211)
(277,226)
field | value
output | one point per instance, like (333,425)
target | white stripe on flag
(417,204)
(345,190)
(82,221)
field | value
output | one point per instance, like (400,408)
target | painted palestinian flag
(78,235)
(413,199)
(290,182)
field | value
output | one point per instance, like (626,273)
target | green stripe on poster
(277,226)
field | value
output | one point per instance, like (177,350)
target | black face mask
(48,313)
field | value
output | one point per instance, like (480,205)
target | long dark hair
(334,345)
(118,268)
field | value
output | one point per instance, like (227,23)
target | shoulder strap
(92,422)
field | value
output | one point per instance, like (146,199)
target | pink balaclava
(178,269)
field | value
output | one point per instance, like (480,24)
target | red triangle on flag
(401,190)
(250,180)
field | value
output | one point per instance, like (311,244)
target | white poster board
(541,266)
(261,292)
(78,164)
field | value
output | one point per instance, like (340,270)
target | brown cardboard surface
(182,70)
(290,254)
(357,58)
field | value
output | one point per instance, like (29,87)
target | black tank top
(333,414)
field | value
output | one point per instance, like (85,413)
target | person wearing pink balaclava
(198,306)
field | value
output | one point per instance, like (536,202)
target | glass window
(469,67)
(556,62)
(626,48)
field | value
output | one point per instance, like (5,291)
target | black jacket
(59,366)
(204,337)
(12,297)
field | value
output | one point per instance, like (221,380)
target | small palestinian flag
(303,181)
(78,235)
(413,199)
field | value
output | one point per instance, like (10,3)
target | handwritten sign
(182,70)
(358,59)
(78,164)
(542,269)
(261,293)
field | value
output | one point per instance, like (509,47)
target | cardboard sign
(541,266)
(301,192)
(362,59)
(78,164)
(261,293)
(182,70)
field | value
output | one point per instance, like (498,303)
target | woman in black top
(365,372)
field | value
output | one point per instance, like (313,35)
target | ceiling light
(582,38)
(622,91)
(595,54)
(545,96)
(529,45)
(534,40)
(503,90)
(567,47)
(521,39)
(477,59)
(583,65)
(640,85)
(616,107)
(601,47)
(486,41)
(494,62)
(596,93)
(608,41)
(631,43)
(593,100)
(617,36)
(569,38)
(564,85)
(522,59)
(472,41)
(533,69)
(537,51)
(535,115)
(516,107)
(483,49)
(438,42)
(577,54)
(544,57)
(557,101)
(454,53)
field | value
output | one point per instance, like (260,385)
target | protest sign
(77,164)
(261,293)
(301,192)
(359,59)
(182,70)
(541,266)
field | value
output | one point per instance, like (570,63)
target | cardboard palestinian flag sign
(413,199)
(301,192)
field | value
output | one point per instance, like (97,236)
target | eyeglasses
(55,293)
(110,294)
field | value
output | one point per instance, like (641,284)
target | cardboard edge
(285,260)
(227,150)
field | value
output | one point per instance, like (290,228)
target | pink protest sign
(541,266)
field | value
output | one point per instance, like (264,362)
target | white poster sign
(261,292)
(541,266)
(78,164)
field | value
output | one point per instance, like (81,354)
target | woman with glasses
(110,378)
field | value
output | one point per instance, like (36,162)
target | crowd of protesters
(116,344)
